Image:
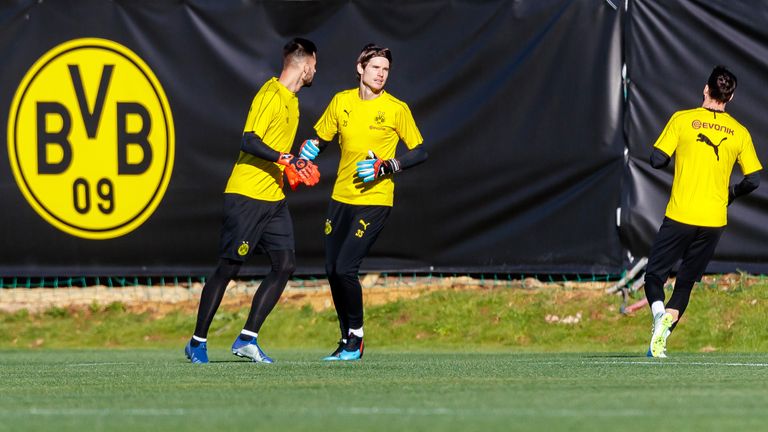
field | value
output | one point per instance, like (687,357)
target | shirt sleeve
(328,125)
(264,109)
(747,158)
(667,141)
(407,129)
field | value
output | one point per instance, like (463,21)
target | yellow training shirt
(706,145)
(378,125)
(274,117)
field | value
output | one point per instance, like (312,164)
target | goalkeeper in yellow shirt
(370,123)
(706,143)
(256,216)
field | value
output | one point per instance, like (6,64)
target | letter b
(125,138)
(44,138)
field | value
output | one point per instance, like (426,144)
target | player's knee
(228,269)
(283,262)
(346,271)
(330,270)
(684,285)
(287,267)
(653,279)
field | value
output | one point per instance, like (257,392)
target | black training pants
(695,245)
(350,232)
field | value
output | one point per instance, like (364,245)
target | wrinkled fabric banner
(520,105)
(671,49)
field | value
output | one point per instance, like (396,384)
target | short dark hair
(370,51)
(722,84)
(298,48)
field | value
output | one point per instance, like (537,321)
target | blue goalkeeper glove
(372,168)
(309,149)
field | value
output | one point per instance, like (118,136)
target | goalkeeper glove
(372,167)
(299,170)
(309,149)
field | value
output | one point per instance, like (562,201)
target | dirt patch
(315,293)
(160,300)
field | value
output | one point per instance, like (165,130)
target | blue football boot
(353,349)
(335,355)
(198,354)
(250,349)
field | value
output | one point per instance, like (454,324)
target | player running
(706,142)
(370,122)
(256,215)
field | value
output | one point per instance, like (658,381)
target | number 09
(81,196)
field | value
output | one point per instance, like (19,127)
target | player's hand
(298,170)
(309,149)
(372,167)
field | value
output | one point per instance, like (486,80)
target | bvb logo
(242,250)
(91,139)
(379,119)
(696,124)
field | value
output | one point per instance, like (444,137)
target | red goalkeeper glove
(298,170)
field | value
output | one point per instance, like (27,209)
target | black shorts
(695,245)
(250,223)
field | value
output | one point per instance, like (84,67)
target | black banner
(671,49)
(520,104)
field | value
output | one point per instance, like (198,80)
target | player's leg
(276,239)
(283,264)
(232,238)
(694,264)
(367,225)
(337,223)
(668,247)
(210,299)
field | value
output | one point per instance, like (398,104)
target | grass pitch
(133,390)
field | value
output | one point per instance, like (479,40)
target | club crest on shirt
(379,120)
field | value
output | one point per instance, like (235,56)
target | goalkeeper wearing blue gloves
(370,122)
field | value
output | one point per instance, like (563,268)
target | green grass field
(449,360)
(130,390)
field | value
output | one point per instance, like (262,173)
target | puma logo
(705,139)
(347,112)
(361,232)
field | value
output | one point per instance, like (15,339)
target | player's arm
(253,145)
(412,158)
(372,168)
(749,183)
(659,159)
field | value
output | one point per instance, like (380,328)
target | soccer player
(256,216)
(370,123)
(706,143)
